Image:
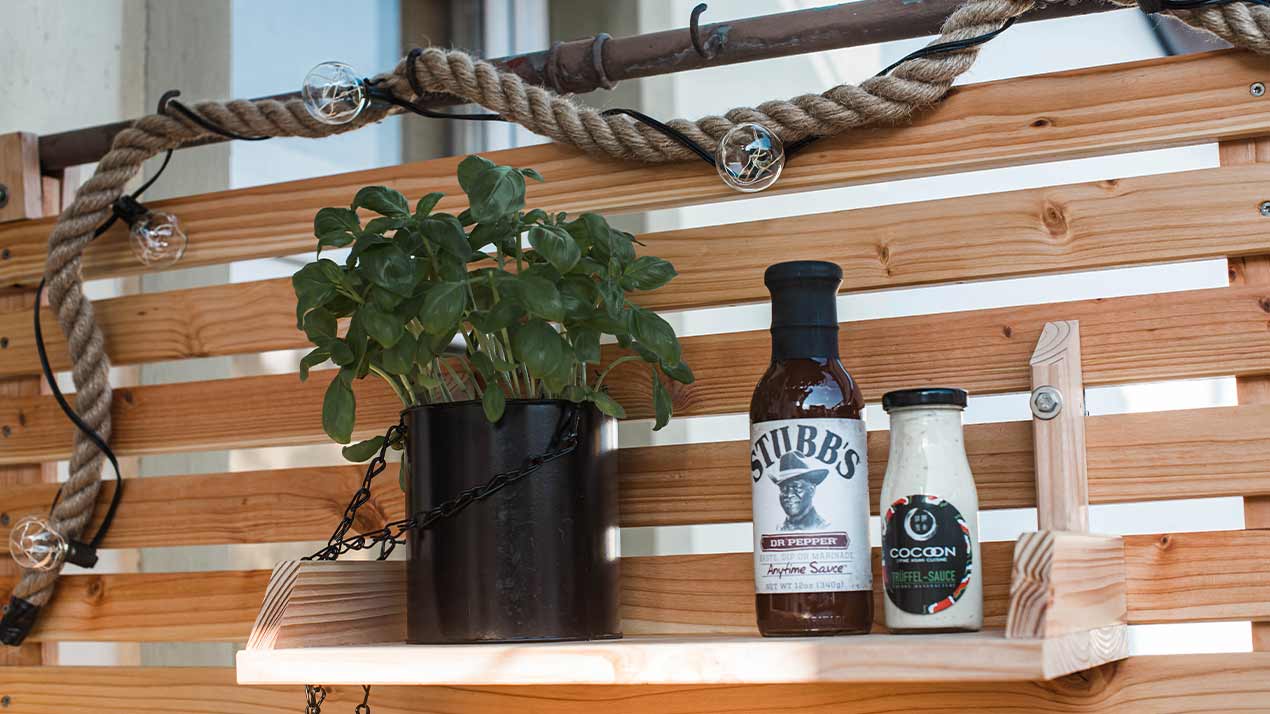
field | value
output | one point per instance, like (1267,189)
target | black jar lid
(924,397)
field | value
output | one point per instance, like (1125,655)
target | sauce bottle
(808,450)
(931,569)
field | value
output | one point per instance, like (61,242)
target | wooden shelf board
(981,656)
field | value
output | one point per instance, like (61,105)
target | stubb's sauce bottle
(808,467)
(930,516)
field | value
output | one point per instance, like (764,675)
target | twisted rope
(890,99)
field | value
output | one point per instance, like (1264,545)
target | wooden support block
(20,179)
(1066,582)
(1058,429)
(312,603)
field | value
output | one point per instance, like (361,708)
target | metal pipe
(570,66)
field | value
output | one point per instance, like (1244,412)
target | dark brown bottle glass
(806,381)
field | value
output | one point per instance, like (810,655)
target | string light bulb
(157,239)
(333,93)
(36,545)
(749,158)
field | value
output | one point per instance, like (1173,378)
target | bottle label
(926,554)
(811,506)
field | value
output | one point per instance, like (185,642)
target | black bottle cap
(804,293)
(924,397)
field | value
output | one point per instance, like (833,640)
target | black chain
(393,534)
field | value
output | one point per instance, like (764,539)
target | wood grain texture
(693,660)
(1144,685)
(1251,270)
(311,603)
(1171,578)
(1062,475)
(1064,582)
(1081,226)
(20,175)
(986,351)
(1143,105)
(1132,457)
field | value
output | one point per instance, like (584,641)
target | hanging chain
(391,535)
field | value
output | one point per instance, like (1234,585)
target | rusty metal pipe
(571,66)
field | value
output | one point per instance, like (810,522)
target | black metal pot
(535,561)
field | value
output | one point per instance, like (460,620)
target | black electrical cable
(125,207)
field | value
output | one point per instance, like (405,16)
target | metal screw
(1047,402)
(5,700)
(4,343)
(4,253)
(1257,89)
(1264,208)
(4,519)
(4,195)
(5,431)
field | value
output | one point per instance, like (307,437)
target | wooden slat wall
(1125,339)
(1169,217)
(1154,685)
(1170,579)
(1132,457)
(1100,110)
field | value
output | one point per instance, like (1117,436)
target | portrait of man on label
(798,482)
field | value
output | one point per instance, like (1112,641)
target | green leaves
(493,191)
(335,227)
(556,245)
(494,402)
(538,346)
(390,268)
(530,294)
(382,200)
(338,408)
(647,273)
(443,307)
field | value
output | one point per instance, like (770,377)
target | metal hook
(694,32)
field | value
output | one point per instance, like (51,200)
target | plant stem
(396,388)
(628,358)
(458,383)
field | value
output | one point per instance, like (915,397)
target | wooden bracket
(20,181)
(1065,582)
(316,603)
(1058,429)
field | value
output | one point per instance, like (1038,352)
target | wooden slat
(1189,215)
(1171,578)
(20,176)
(1132,457)
(1197,333)
(1100,110)
(1179,684)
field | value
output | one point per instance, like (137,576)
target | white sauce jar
(932,571)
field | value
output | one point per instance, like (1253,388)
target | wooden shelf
(976,656)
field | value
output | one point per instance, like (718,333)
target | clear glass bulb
(333,93)
(36,546)
(157,239)
(749,157)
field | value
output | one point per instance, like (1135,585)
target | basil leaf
(538,346)
(336,227)
(381,326)
(425,205)
(608,405)
(471,168)
(339,407)
(497,192)
(313,359)
(382,200)
(320,325)
(556,245)
(313,288)
(494,402)
(586,344)
(446,232)
(661,400)
(647,273)
(530,173)
(363,450)
(443,306)
(655,334)
(390,268)
(400,358)
(540,297)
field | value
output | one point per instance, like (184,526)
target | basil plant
(493,304)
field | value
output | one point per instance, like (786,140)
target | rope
(891,99)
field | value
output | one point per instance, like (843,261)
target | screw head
(1257,89)
(5,701)
(4,252)
(4,519)
(4,343)
(4,195)
(1046,402)
(1264,208)
(5,431)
